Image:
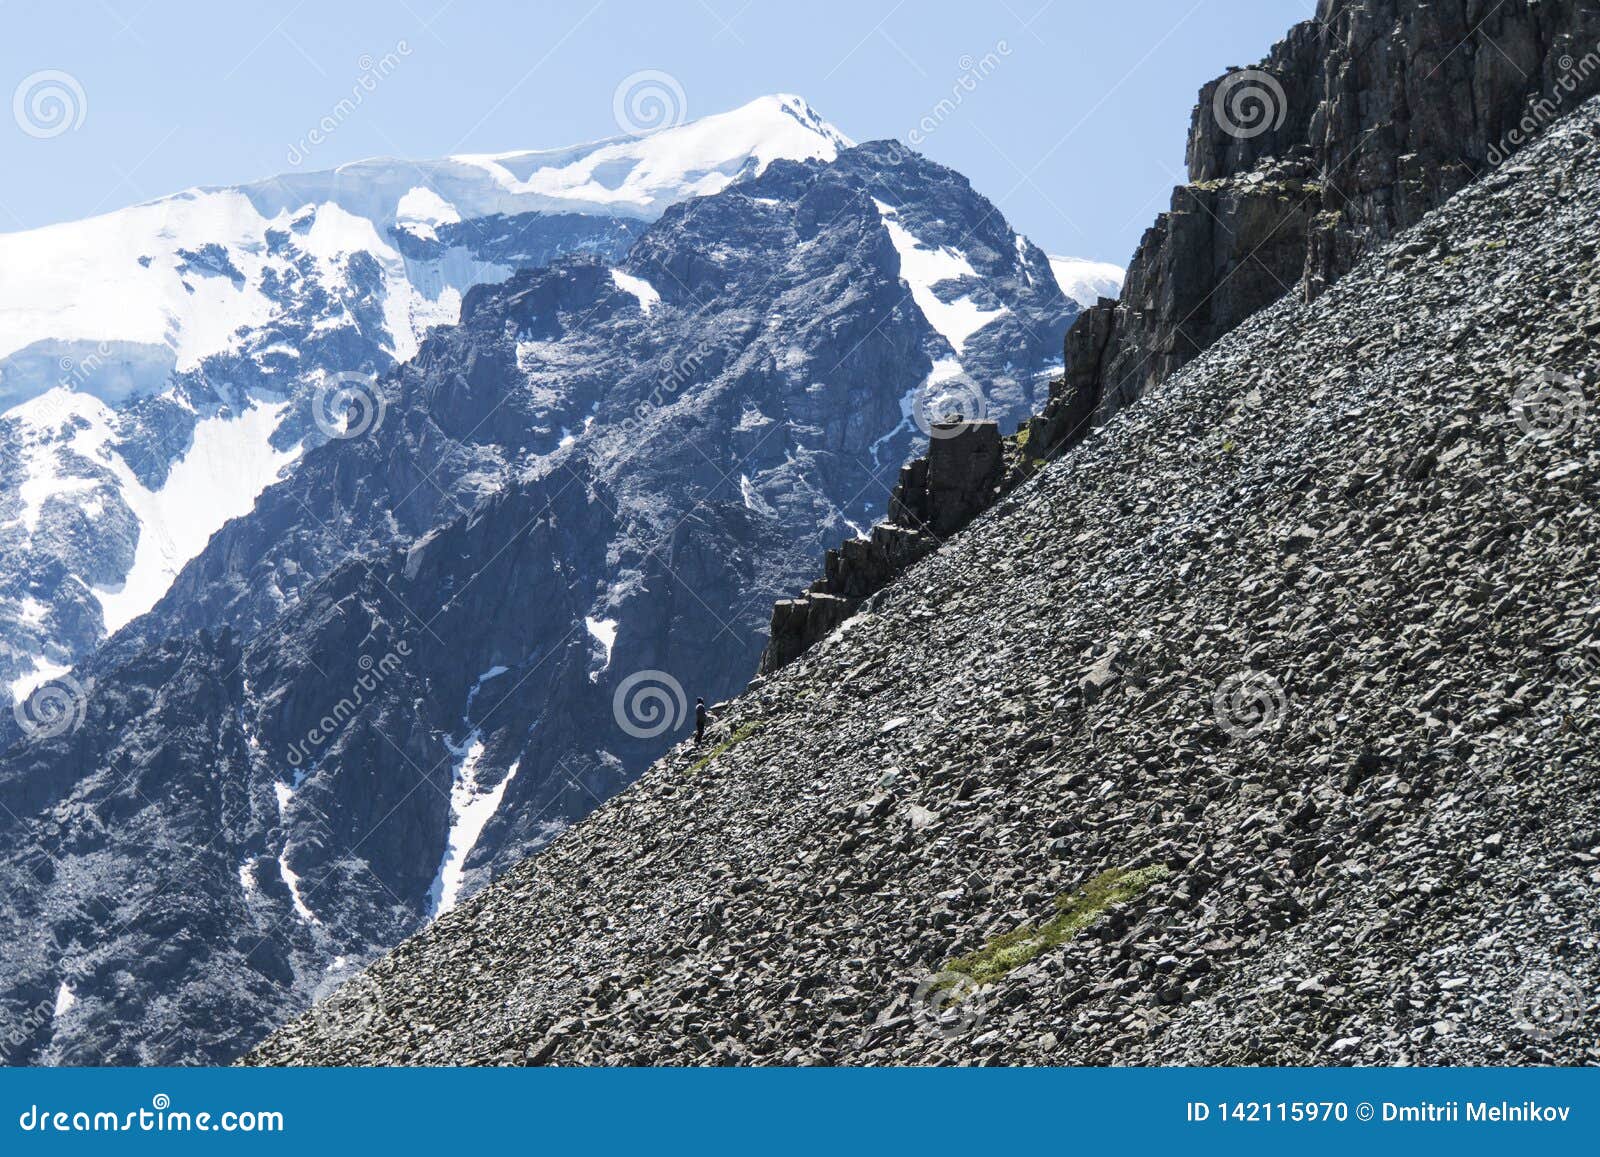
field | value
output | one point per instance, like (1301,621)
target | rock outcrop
(1257,729)
(1357,124)
(937,495)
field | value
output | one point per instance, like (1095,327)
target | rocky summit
(1257,727)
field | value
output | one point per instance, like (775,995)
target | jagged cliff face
(1254,729)
(163,364)
(1358,123)
(402,671)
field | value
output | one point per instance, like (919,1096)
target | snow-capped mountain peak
(1086,281)
(643,174)
(196,328)
(169,282)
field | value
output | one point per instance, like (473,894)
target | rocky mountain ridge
(1254,729)
(162,365)
(437,642)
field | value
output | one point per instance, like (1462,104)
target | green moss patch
(745,731)
(1075,911)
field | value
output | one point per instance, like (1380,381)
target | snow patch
(944,370)
(922,267)
(285,793)
(604,632)
(65,999)
(420,209)
(43,671)
(230,461)
(1084,281)
(115,291)
(292,882)
(471,807)
(643,174)
(643,292)
(228,464)
(752,496)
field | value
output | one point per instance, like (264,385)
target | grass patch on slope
(745,731)
(1075,911)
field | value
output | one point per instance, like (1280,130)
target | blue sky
(1076,129)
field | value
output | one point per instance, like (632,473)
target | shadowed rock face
(324,318)
(1253,729)
(1358,123)
(604,472)
(935,497)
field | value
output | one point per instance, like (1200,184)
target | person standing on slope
(700,715)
